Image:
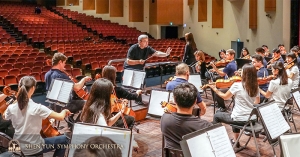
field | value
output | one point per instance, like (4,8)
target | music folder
(60,91)
(83,131)
(133,78)
(195,79)
(156,97)
(289,145)
(209,142)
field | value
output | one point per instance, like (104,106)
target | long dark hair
(98,101)
(189,38)
(282,75)
(109,72)
(293,56)
(25,84)
(244,48)
(249,79)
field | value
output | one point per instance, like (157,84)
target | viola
(11,94)
(48,130)
(168,107)
(81,92)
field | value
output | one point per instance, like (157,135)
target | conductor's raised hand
(168,51)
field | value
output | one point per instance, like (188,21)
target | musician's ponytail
(281,72)
(25,84)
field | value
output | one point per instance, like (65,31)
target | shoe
(250,134)
(237,144)
(222,109)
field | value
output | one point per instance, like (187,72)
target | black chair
(287,113)
(172,152)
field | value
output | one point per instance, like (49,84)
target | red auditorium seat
(26,70)
(10,80)
(14,72)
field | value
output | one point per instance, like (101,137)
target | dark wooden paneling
(252,14)
(217,13)
(88,5)
(74,2)
(60,3)
(116,8)
(136,11)
(152,12)
(270,5)
(170,11)
(190,2)
(102,6)
(202,10)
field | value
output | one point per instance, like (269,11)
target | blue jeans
(59,152)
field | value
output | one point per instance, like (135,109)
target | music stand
(241,62)
(156,97)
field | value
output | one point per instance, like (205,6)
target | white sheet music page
(121,137)
(296,96)
(65,92)
(156,98)
(81,133)
(138,79)
(290,145)
(220,142)
(196,81)
(200,146)
(274,120)
(127,77)
(53,94)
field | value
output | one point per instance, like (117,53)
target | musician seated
(227,72)
(5,125)
(95,151)
(27,116)
(280,88)
(295,50)
(245,53)
(185,95)
(267,52)
(246,94)
(276,57)
(260,51)
(292,69)
(97,109)
(282,49)
(109,72)
(182,76)
(262,72)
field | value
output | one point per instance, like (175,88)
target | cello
(168,107)
(11,94)
(116,106)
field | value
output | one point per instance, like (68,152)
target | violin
(81,92)
(221,63)
(224,83)
(264,80)
(289,65)
(117,105)
(168,107)
(172,78)
(273,60)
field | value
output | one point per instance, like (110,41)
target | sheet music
(154,104)
(274,120)
(53,94)
(220,142)
(121,137)
(290,145)
(81,133)
(138,79)
(296,96)
(200,146)
(127,77)
(65,92)
(196,81)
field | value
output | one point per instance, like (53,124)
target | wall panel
(270,5)
(88,5)
(217,13)
(102,6)
(252,14)
(202,10)
(60,3)
(136,11)
(116,8)
(152,12)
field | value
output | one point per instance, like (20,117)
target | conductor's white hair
(143,36)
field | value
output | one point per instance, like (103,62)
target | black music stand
(241,62)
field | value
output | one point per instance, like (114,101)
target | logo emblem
(14,146)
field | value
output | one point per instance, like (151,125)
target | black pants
(6,127)
(224,117)
(129,120)
(220,100)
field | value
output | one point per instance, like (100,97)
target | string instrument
(289,65)
(117,105)
(97,76)
(11,94)
(246,57)
(273,60)
(48,130)
(264,80)
(168,107)
(172,78)
(49,62)
(224,83)
(221,63)
(81,92)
